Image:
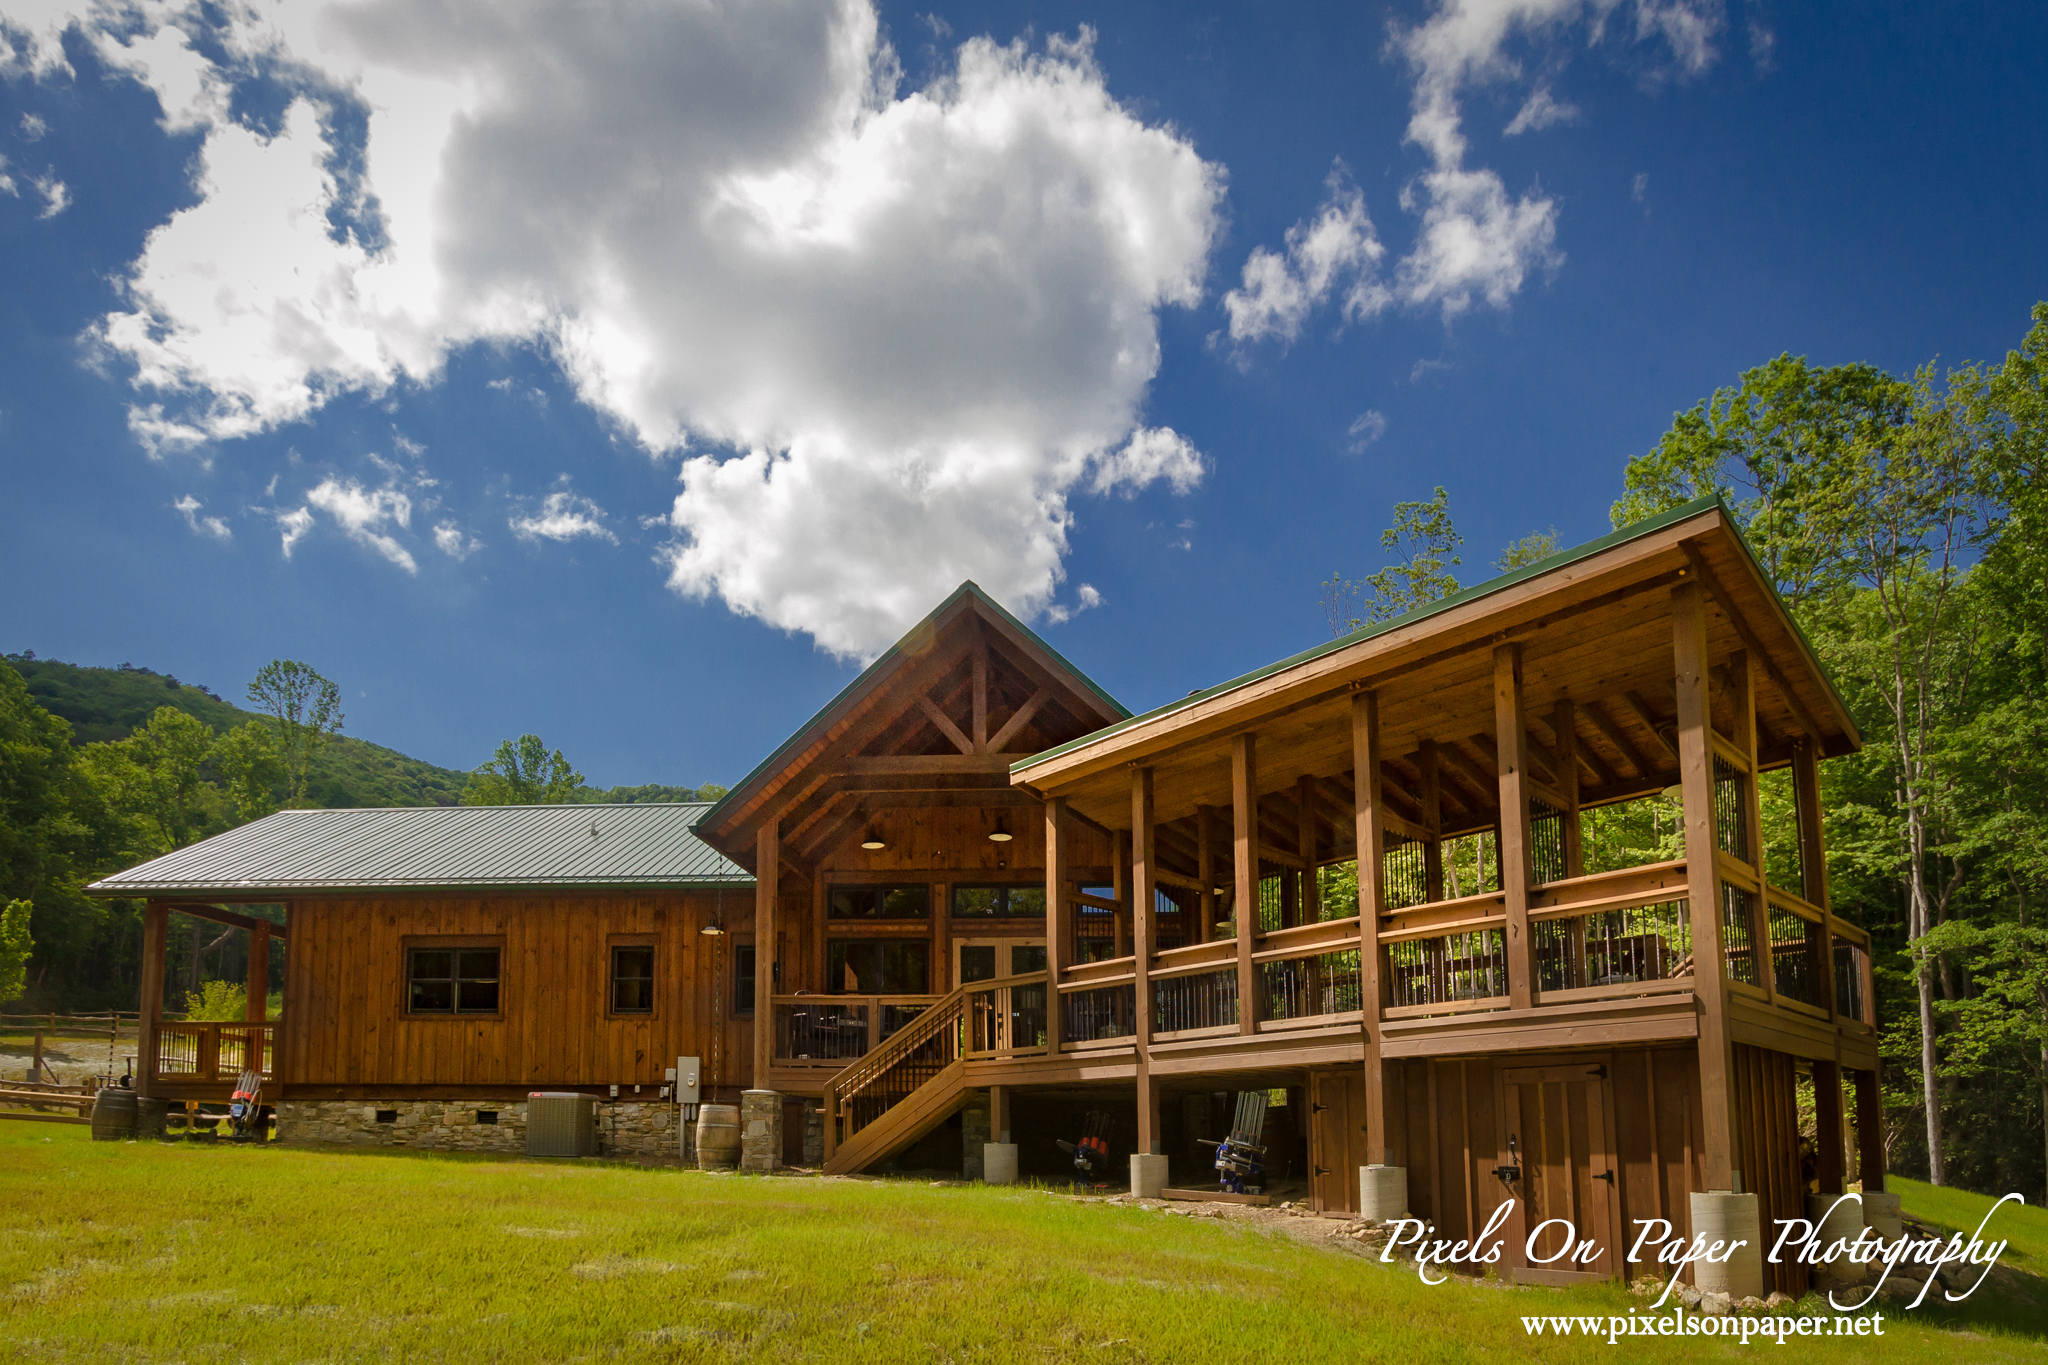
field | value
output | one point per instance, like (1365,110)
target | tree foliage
(524,772)
(15,946)
(305,710)
(1426,546)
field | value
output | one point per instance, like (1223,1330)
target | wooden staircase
(899,1092)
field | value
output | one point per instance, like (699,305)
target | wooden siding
(347,1031)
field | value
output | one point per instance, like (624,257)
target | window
(633,979)
(879,902)
(452,981)
(743,981)
(1000,902)
(888,966)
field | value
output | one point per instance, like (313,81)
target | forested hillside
(111,703)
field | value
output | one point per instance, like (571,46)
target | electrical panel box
(686,1081)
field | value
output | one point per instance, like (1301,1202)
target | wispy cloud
(1152,454)
(364,514)
(202,526)
(563,515)
(1086,597)
(56,195)
(294,525)
(1365,429)
(451,541)
(1338,248)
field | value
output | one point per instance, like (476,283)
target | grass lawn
(148,1252)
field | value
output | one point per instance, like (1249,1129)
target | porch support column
(1742,699)
(1366,800)
(1828,1148)
(1143,897)
(1813,859)
(1205,873)
(1433,821)
(1869,1132)
(156,923)
(1305,843)
(1059,920)
(257,983)
(1564,724)
(1703,886)
(1120,888)
(1244,847)
(767,876)
(1511,741)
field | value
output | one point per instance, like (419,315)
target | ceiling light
(712,928)
(873,841)
(999,835)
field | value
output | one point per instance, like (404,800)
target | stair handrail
(864,1071)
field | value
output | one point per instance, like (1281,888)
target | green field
(152,1252)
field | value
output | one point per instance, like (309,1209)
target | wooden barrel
(718,1137)
(113,1114)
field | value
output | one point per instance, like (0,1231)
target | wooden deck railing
(1006,1017)
(831,1030)
(189,1050)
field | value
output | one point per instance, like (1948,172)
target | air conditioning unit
(560,1123)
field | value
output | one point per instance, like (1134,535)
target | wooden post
(1813,859)
(1143,902)
(1703,886)
(1059,919)
(1512,742)
(1742,698)
(1205,873)
(156,922)
(1827,1127)
(1366,799)
(1244,853)
(35,1066)
(999,1113)
(1120,890)
(1433,821)
(1305,842)
(1869,1132)
(256,985)
(980,696)
(1564,721)
(767,879)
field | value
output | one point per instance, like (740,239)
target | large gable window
(879,902)
(451,981)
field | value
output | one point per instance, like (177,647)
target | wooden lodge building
(975,900)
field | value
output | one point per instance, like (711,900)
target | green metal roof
(642,846)
(1633,531)
(872,676)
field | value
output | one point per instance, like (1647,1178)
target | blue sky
(498,295)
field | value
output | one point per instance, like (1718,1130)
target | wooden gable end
(935,724)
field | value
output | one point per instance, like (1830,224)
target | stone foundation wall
(624,1128)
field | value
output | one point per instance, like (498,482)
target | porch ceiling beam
(925,765)
(199,910)
(1612,733)
(1643,713)
(1750,642)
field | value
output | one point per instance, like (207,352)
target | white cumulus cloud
(365,513)
(891,330)
(1338,247)
(56,195)
(452,541)
(202,526)
(1152,454)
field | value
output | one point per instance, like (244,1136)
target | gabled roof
(968,597)
(641,846)
(1716,517)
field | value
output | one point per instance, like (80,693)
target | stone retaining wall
(624,1128)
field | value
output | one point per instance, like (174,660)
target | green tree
(154,777)
(15,947)
(247,761)
(523,773)
(1427,544)
(305,712)
(1536,546)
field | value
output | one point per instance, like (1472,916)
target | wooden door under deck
(1336,1138)
(1559,1131)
